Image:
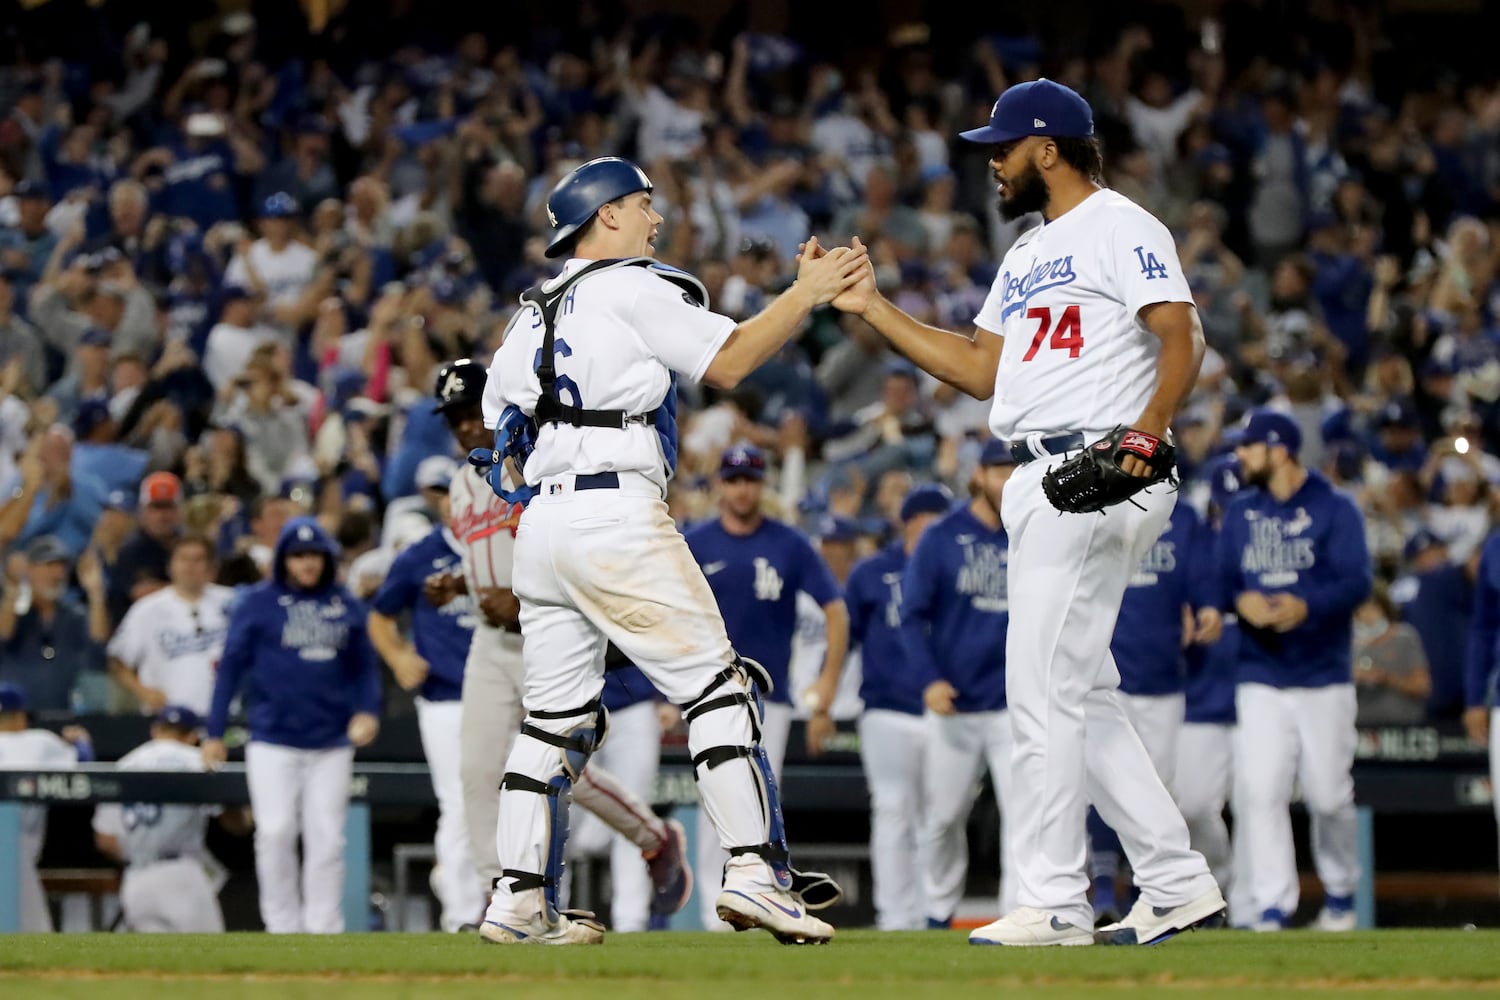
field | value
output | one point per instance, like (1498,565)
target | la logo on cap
(304,534)
(1038,123)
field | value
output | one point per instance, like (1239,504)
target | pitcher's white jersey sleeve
(620,335)
(150,831)
(1067,299)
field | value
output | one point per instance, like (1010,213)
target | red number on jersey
(1066,336)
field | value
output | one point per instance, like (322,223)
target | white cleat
(1029,927)
(1147,924)
(779,912)
(1336,920)
(572,927)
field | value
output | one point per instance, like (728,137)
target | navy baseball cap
(1224,480)
(834,528)
(31,189)
(1271,427)
(1040,107)
(996,452)
(95,336)
(12,698)
(1398,413)
(280,206)
(929,498)
(1424,539)
(179,716)
(47,549)
(744,461)
(91,413)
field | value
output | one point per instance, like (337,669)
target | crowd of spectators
(230,266)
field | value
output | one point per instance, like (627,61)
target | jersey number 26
(1067,335)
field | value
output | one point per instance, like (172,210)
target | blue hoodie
(955,610)
(305,654)
(1311,545)
(1211,669)
(873,595)
(1484,629)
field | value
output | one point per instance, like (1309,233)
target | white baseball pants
(632,754)
(602,565)
(893,748)
(959,748)
(1201,784)
(491,718)
(299,792)
(709,854)
(1287,736)
(1157,719)
(1074,744)
(459,888)
(171,897)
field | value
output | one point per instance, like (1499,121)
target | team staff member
(432,664)
(298,642)
(1296,566)
(171,882)
(1482,663)
(955,610)
(892,734)
(1089,326)
(483,526)
(756,566)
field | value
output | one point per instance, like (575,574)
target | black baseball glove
(1093,480)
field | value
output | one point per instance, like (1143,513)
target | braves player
(171,882)
(1295,564)
(955,611)
(169,642)
(892,735)
(1160,615)
(432,664)
(298,643)
(583,389)
(757,567)
(24,749)
(1201,780)
(483,526)
(1088,326)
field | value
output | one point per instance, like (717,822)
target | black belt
(1056,444)
(597,481)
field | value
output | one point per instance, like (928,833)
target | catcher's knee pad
(738,689)
(552,750)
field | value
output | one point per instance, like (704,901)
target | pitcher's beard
(1028,193)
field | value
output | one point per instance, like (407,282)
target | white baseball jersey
(150,831)
(174,645)
(484,528)
(620,335)
(40,750)
(283,274)
(1067,301)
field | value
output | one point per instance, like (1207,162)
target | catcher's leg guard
(547,758)
(741,800)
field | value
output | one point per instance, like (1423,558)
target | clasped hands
(839,276)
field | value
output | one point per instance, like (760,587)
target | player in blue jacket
(298,643)
(1296,565)
(755,566)
(955,610)
(432,664)
(892,735)
(1158,618)
(1482,662)
(1205,747)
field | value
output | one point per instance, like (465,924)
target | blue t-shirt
(440,635)
(1147,644)
(755,579)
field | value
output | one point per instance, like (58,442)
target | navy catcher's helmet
(459,383)
(584,191)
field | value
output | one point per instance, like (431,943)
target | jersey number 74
(1067,335)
